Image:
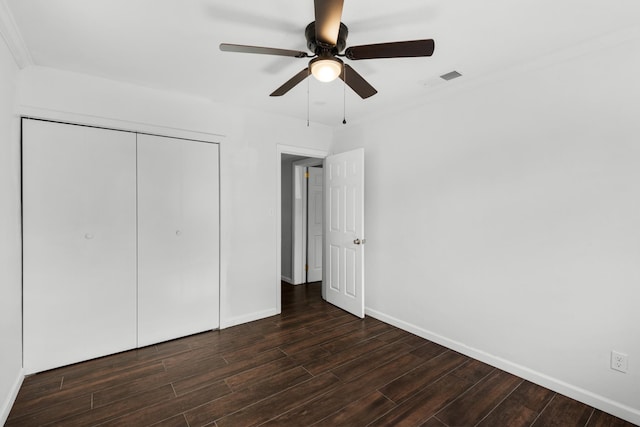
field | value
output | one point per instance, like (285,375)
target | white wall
(505,222)
(248,165)
(10,240)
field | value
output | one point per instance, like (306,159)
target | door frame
(300,218)
(296,151)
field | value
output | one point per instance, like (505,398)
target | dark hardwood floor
(312,365)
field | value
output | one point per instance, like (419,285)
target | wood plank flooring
(312,365)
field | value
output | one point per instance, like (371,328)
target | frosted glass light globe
(326,69)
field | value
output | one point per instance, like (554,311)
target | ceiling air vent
(451,75)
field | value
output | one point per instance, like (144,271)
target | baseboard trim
(234,321)
(289,280)
(11,398)
(604,404)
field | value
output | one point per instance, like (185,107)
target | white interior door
(314,224)
(178,238)
(79,217)
(344,210)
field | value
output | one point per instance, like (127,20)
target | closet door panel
(79,213)
(178,238)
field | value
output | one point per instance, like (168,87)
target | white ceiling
(173,45)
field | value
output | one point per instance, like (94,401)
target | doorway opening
(301,219)
(300,235)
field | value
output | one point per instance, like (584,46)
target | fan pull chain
(344,95)
(308,100)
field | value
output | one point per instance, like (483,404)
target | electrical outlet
(619,361)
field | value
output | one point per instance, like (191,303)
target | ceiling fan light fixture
(326,68)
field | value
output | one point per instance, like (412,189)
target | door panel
(335,218)
(178,238)
(314,224)
(334,273)
(344,186)
(79,217)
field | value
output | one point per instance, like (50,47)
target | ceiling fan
(326,38)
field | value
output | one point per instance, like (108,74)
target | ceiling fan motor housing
(320,48)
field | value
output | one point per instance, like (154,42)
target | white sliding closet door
(79,218)
(178,238)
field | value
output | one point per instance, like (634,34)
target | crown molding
(11,34)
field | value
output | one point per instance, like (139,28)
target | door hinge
(306,267)
(306,175)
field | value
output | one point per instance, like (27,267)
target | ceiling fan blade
(356,82)
(291,83)
(328,16)
(226,47)
(406,49)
